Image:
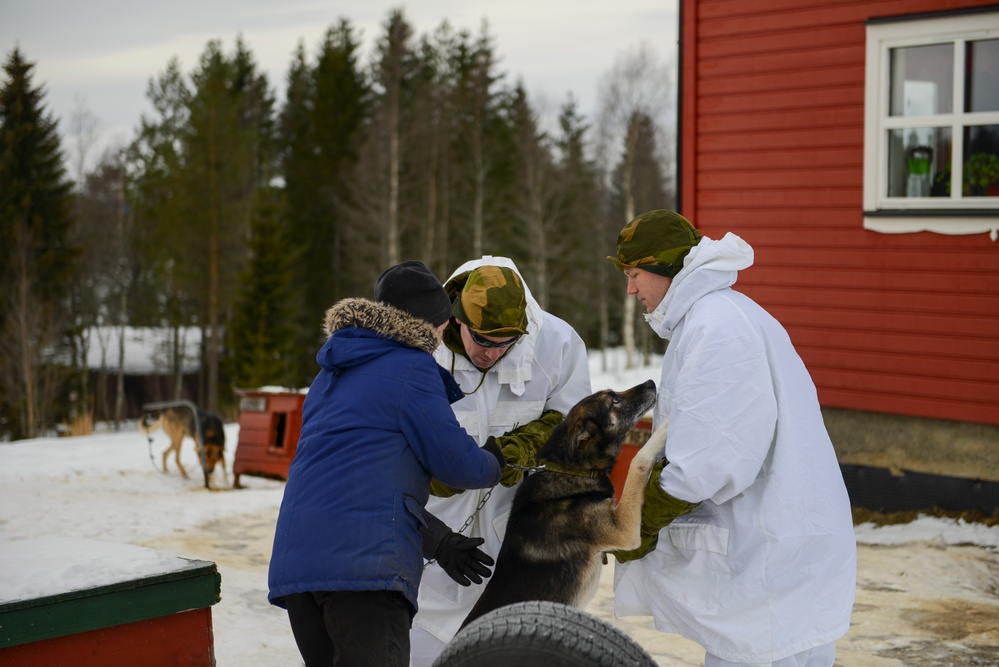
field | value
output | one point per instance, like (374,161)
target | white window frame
(893,215)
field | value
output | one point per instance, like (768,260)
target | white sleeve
(722,409)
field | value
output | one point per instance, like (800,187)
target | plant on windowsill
(941,184)
(981,176)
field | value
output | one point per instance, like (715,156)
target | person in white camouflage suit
(521,370)
(747,534)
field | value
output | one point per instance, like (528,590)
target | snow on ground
(927,591)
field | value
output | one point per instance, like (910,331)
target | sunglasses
(482,342)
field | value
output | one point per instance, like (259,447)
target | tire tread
(547,634)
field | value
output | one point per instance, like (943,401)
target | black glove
(494,449)
(461,558)
(457,555)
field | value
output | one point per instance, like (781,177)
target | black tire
(542,634)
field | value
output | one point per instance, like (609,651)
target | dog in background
(563,517)
(178,423)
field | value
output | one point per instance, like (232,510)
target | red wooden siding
(772,123)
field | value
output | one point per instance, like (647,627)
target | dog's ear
(584,432)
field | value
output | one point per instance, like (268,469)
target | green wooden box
(87,598)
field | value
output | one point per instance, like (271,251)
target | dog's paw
(653,449)
(650,452)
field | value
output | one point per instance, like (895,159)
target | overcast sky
(104,52)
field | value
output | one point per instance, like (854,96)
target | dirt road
(900,618)
(918,604)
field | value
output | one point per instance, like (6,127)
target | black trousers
(351,628)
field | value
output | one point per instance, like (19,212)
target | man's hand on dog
(461,558)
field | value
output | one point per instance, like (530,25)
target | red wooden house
(855,146)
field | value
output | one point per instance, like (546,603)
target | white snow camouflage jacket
(766,566)
(546,370)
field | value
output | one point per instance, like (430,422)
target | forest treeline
(247,217)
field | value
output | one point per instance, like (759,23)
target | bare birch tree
(83,126)
(394,55)
(639,84)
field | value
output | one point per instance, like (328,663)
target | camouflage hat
(656,241)
(492,302)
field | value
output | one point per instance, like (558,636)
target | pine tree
(261,339)
(432,122)
(391,72)
(257,115)
(523,175)
(580,276)
(157,197)
(37,260)
(109,267)
(322,132)
(222,170)
(477,93)
(301,205)
(341,116)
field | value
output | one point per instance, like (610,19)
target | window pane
(981,166)
(922,80)
(919,162)
(982,87)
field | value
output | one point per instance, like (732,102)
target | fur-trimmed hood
(383,319)
(376,428)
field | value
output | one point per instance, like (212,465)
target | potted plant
(981,175)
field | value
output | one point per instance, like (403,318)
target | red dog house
(269,425)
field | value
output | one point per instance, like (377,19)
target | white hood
(514,369)
(709,266)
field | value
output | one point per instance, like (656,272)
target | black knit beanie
(412,287)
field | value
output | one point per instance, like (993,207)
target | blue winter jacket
(376,426)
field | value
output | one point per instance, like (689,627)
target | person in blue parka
(376,426)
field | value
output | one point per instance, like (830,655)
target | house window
(931,143)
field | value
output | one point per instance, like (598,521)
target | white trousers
(820,656)
(424,647)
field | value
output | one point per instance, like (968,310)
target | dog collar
(553,467)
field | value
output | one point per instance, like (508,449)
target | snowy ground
(927,592)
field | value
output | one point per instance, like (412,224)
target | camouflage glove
(658,511)
(521,444)
(518,446)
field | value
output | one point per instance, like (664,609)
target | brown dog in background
(178,423)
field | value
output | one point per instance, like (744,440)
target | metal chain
(151,459)
(468,521)
(482,503)
(478,508)
(485,498)
(517,466)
